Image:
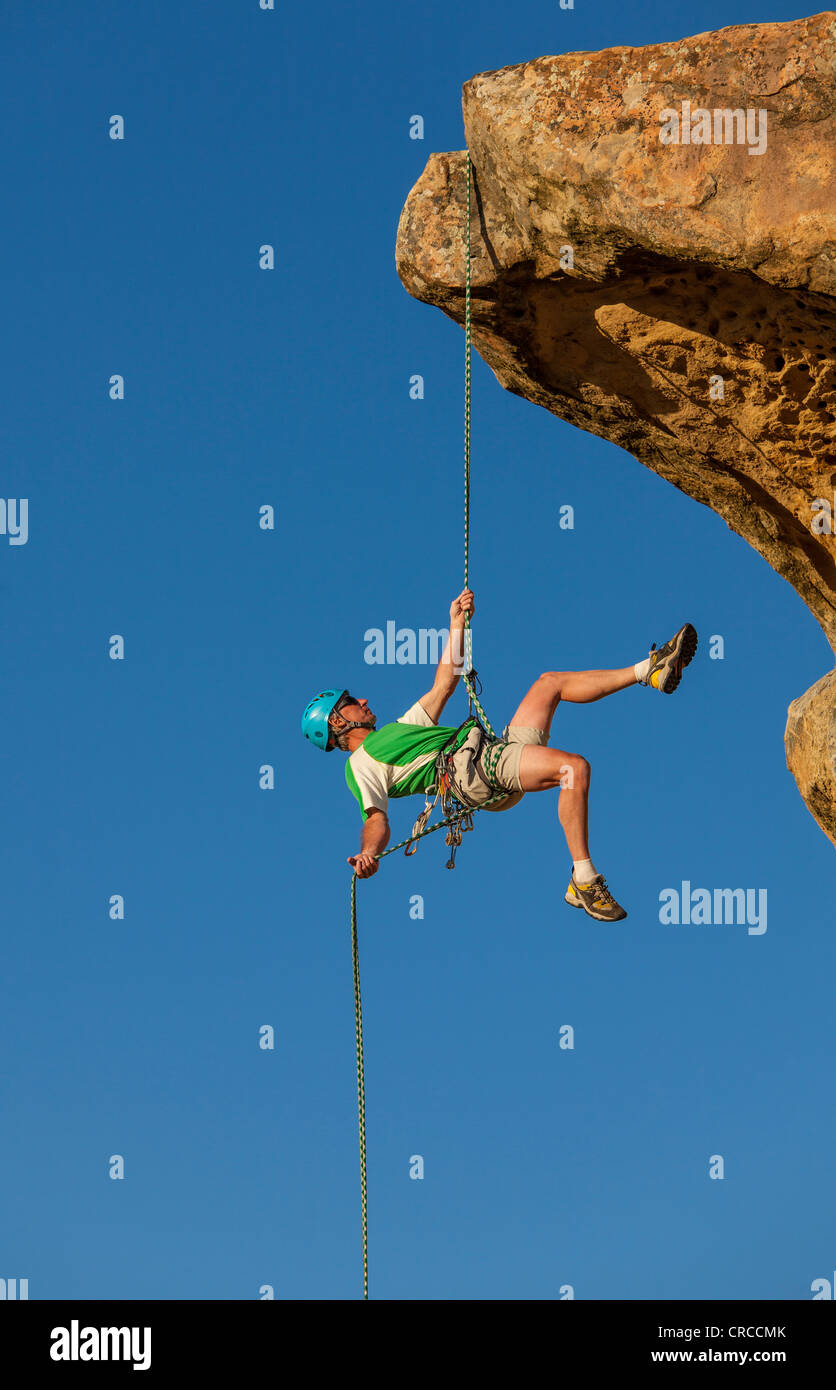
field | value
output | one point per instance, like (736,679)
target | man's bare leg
(662,669)
(542,769)
(577,687)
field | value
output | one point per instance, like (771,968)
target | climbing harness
(446,793)
(457,811)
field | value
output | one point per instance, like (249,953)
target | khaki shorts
(505,770)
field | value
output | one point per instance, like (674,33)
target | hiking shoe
(668,663)
(596,900)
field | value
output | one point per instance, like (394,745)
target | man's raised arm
(452,658)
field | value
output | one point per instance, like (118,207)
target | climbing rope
(361,1083)
(468,638)
(358,1016)
(470,679)
(468,675)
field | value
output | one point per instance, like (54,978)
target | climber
(406,756)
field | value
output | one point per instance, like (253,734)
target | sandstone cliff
(676,295)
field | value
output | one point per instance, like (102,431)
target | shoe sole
(687,639)
(595,915)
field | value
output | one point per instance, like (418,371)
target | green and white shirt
(398,759)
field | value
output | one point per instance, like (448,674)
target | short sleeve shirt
(398,759)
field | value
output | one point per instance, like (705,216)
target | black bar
(296,1338)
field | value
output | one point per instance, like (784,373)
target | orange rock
(677,299)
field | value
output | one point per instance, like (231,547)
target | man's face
(354,711)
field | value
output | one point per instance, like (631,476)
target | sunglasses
(343,700)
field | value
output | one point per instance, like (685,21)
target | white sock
(584,870)
(641,668)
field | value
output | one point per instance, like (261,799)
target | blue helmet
(315,719)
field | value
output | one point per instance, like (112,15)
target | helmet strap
(348,725)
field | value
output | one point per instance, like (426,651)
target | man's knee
(574,772)
(549,684)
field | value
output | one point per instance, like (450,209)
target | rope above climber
(414,754)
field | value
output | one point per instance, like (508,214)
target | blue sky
(544,1167)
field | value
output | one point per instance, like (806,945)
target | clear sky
(543,1167)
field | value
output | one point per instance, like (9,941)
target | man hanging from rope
(412,754)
